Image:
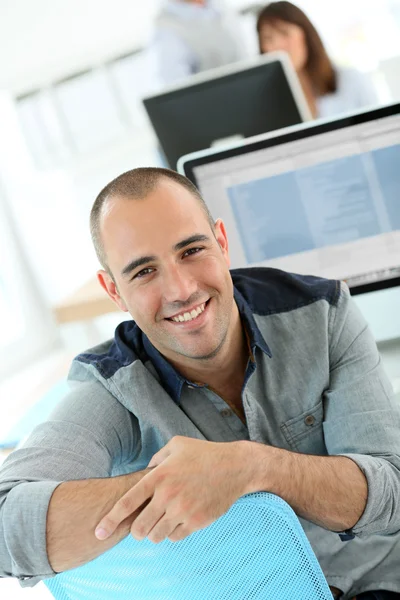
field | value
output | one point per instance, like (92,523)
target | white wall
(43,205)
(43,40)
(28,328)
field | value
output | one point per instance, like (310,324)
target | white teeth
(189,316)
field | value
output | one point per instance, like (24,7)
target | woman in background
(329,90)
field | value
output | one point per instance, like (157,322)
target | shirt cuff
(24,521)
(380,515)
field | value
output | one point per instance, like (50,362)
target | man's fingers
(161,529)
(159,457)
(179,533)
(122,509)
(147,520)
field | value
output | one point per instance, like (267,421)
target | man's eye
(192,251)
(143,273)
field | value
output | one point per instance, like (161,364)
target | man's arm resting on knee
(75,509)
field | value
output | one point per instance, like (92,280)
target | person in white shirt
(193,36)
(329,90)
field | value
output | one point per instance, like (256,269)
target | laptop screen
(321,199)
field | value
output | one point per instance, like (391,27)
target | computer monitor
(232,102)
(320,198)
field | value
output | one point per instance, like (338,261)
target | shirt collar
(253,332)
(173,381)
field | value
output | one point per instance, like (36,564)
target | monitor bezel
(235,70)
(189,163)
(216,79)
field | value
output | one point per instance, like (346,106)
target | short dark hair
(319,66)
(136,184)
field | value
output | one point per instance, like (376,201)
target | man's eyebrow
(197,237)
(137,262)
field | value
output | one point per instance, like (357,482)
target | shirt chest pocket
(305,433)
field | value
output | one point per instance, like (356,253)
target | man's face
(171,271)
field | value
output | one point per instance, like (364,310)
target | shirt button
(226,412)
(191,387)
(309,420)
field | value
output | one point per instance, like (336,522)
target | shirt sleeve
(362,416)
(86,437)
(175,60)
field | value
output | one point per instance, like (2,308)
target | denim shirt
(315,385)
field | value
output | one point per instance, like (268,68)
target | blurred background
(72,76)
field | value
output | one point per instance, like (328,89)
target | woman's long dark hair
(319,66)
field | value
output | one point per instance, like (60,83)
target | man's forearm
(74,511)
(328,490)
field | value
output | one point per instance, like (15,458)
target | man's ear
(222,239)
(107,283)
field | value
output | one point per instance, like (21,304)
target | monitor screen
(237,101)
(321,200)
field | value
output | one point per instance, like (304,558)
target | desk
(88,302)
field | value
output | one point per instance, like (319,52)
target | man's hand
(192,483)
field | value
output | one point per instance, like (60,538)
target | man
(192,36)
(224,383)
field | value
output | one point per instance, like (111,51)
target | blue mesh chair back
(256,551)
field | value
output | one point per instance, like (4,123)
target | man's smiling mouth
(189,315)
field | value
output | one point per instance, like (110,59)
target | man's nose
(178,284)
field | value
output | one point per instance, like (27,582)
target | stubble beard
(179,349)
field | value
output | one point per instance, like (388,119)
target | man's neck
(226,370)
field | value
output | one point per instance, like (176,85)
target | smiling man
(172,274)
(225,382)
